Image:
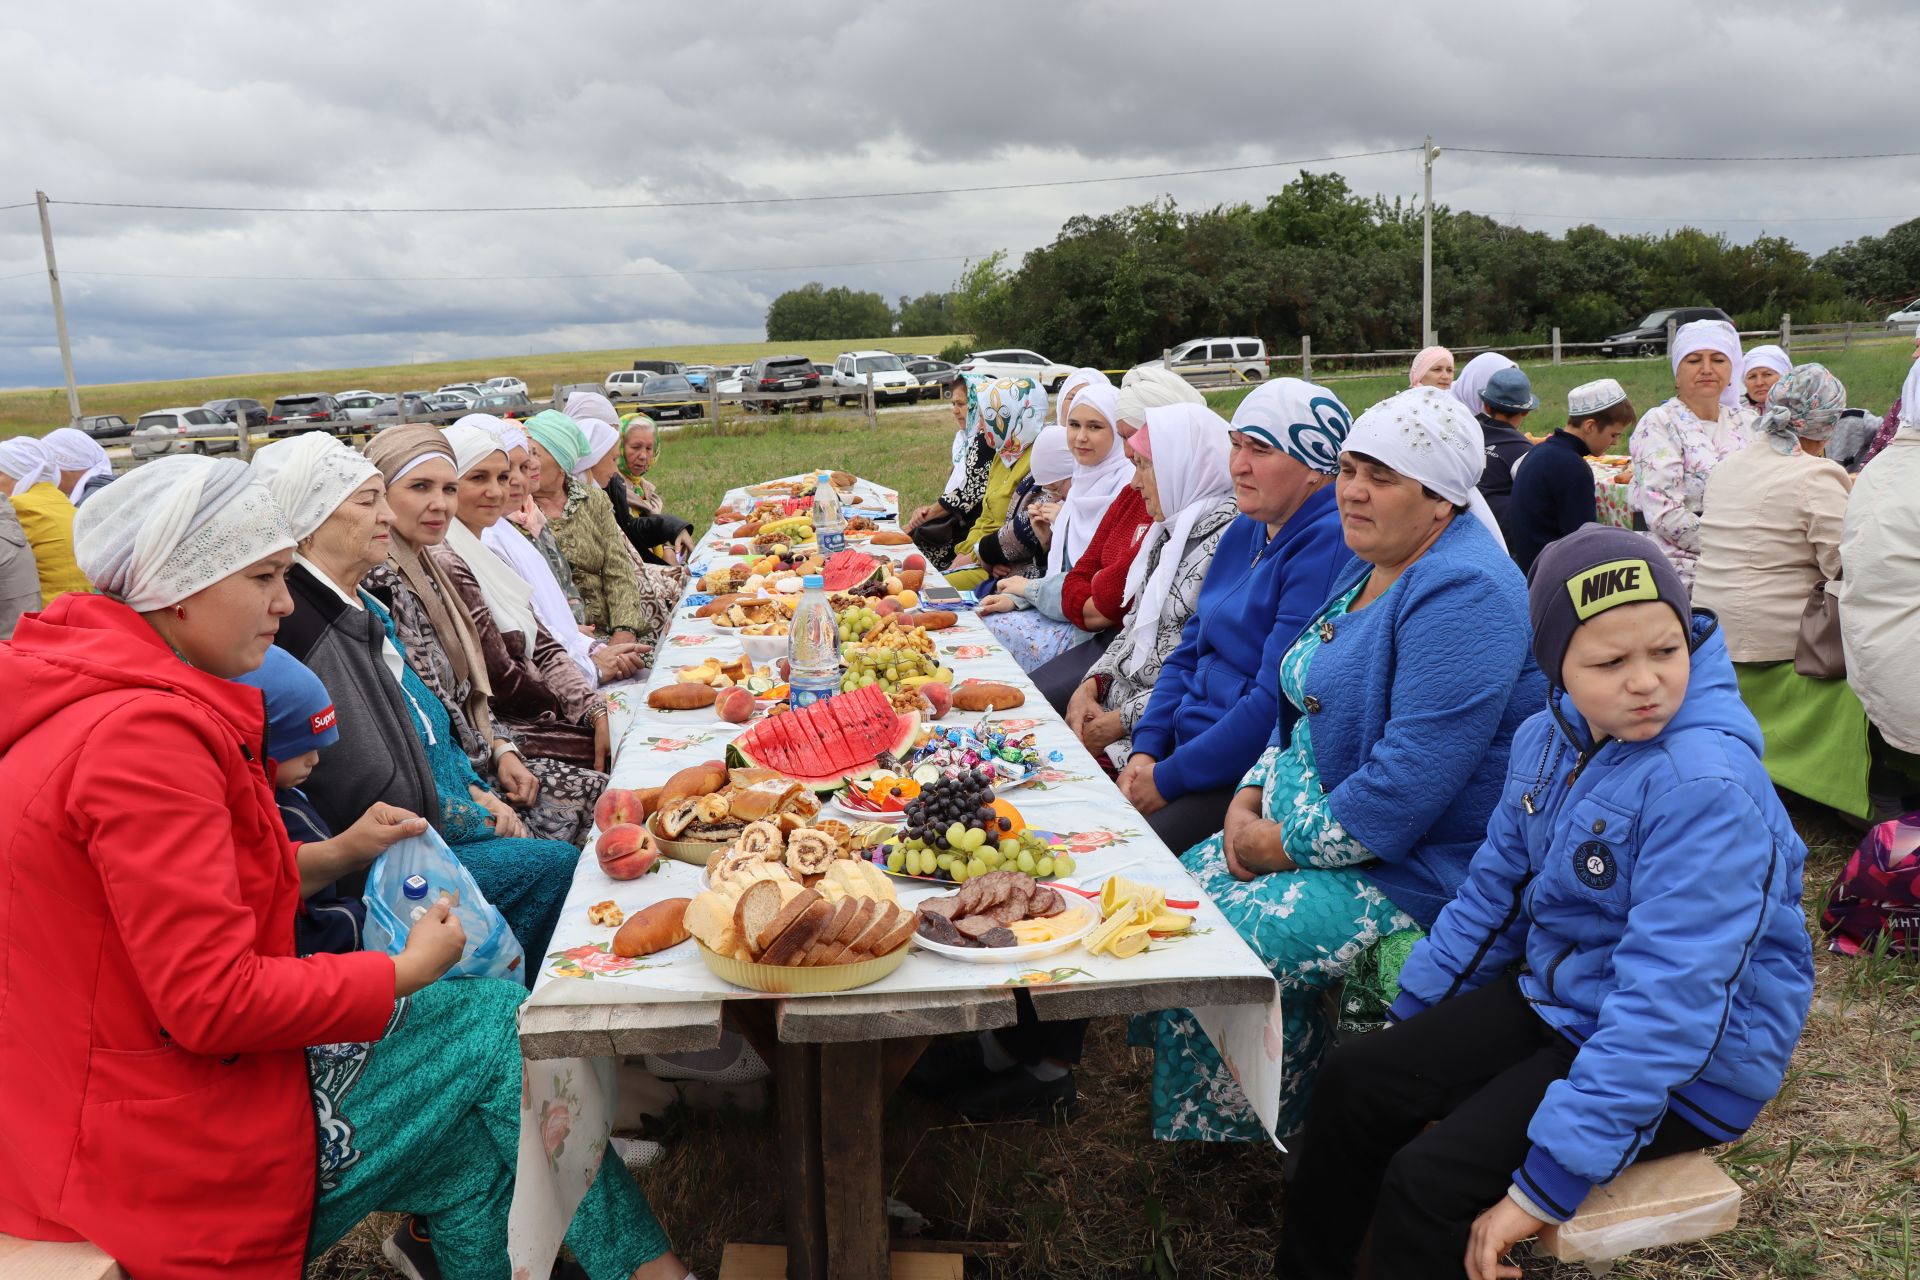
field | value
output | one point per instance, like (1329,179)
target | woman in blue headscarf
(1010,412)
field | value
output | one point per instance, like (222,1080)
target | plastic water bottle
(829,527)
(414,889)
(813,646)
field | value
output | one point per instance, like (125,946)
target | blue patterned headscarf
(1010,411)
(1304,421)
(1804,405)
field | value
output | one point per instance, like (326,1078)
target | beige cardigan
(1769,530)
(1880,601)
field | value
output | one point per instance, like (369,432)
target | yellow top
(46,517)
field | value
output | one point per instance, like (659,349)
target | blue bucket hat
(1508,391)
(300,714)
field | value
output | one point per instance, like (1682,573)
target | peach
(626,851)
(908,599)
(939,695)
(885,606)
(734,705)
(914,561)
(737,549)
(910,579)
(616,806)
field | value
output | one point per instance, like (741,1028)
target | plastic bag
(491,952)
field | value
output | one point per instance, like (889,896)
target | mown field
(1831,1172)
(38,410)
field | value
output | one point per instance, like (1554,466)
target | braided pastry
(810,852)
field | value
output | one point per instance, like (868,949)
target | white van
(1242,358)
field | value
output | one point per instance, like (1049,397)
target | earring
(180,612)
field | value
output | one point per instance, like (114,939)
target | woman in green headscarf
(1011,412)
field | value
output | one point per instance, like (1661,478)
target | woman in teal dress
(1398,706)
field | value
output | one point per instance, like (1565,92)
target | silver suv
(1242,358)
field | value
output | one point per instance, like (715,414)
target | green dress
(1001,482)
(1313,926)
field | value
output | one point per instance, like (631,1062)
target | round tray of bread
(776,936)
(706,808)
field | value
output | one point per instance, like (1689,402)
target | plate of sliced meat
(1002,917)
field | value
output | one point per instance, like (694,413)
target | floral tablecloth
(1070,796)
(1609,492)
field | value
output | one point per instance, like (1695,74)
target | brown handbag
(1819,653)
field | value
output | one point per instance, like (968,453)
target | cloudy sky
(405,103)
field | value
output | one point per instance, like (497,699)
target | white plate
(1017,955)
(841,809)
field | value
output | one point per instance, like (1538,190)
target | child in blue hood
(1623,975)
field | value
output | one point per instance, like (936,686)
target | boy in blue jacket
(1644,879)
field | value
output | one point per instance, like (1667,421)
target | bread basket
(797,980)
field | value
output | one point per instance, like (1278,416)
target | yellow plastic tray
(783,979)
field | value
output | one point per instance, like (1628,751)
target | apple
(939,695)
(616,806)
(737,549)
(886,605)
(910,579)
(914,561)
(626,851)
(734,705)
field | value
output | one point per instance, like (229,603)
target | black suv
(312,411)
(106,426)
(781,373)
(256,413)
(936,378)
(1649,337)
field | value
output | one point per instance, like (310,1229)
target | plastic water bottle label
(804,691)
(830,541)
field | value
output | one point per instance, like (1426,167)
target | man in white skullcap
(1553,492)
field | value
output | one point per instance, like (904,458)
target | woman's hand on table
(1015,585)
(1494,1232)
(517,782)
(1136,784)
(506,823)
(995,603)
(434,945)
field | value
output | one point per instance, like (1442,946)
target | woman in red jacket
(154,1096)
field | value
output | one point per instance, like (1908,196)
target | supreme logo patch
(322,721)
(1616,582)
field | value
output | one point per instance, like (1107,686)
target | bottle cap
(812,582)
(414,886)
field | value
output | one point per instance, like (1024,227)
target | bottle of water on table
(829,526)
(813,646)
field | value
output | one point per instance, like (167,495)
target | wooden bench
(49,1260)
(1660,1202)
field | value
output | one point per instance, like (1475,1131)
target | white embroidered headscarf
(509,597)
(175,526)
(1095,486)
(26,459)
(1427,435)
(1713,335)
(74,450)
(1771,356)
(1472,380)
(309,475)
(1191,455)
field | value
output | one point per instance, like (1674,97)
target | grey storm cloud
(403,103)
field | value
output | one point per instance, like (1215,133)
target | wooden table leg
(852,1084)
(798,1082)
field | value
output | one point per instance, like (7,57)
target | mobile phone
(940,595)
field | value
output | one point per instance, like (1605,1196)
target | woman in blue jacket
(1356,825)
(1214,702)
(1642,873)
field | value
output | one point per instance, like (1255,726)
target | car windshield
(1656,320)
(878,364)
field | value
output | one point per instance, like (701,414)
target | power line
(575,275)
(26,205)
(1594,155)
(745,200)
(1682,218)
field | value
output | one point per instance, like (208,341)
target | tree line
(1320,260)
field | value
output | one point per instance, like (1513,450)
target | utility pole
(59,311)
(1428,154)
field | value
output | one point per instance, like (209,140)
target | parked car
(1014,362)
(936,377)
(474,389)
(1649,337)
(670,395)
(781,373)
(106,426)
(505,404)
(891,381)
(824,370)
(504,385)
(625,384)
(657,366)
(306,411)
(452,402)
(387,413)
(357,391)
(1907,317)
(186,430)
(359,406)
(1242,358)
(732,380)
(699,375)
(232,410)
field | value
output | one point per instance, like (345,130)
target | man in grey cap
(1509,399)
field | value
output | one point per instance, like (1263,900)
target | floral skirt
(1311,927)
(1033,638)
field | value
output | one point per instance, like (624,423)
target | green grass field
(36,411)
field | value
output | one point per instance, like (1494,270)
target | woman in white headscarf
(1180,462)
(1399,697)
(84,466)
(539,696)
(1880,598)
(1472,380)
(1680,441)
(1765,365)
(31,480)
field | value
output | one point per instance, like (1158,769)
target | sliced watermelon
(823,745)
(845,570)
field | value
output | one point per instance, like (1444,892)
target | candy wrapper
(1014,758)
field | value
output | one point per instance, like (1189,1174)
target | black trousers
(1033,1041)
(1185,822)
(1475,1067)
(1057,679)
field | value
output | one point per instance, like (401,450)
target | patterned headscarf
(310,475)
(1427,435)
(1804,405)
(1304,421)
(1011,413)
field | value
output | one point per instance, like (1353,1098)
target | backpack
(1878,892)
